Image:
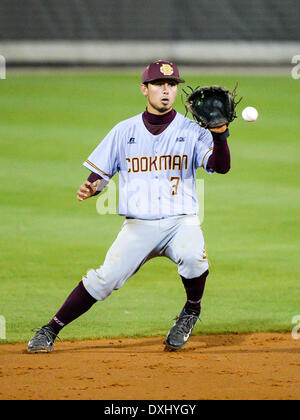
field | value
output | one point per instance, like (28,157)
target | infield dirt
(241,366)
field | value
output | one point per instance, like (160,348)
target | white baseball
(250,114)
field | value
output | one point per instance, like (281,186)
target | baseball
(250,114)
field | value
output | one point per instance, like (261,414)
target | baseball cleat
(179,334)
(43,340)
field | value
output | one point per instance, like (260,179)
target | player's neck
(155,111)
(162,118)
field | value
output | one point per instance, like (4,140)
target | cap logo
(166,70)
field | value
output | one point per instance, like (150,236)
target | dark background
(153,20)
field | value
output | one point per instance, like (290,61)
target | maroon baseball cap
(161,70)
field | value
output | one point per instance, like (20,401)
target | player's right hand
(87,189)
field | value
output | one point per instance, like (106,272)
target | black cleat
(43,340)
(179,334)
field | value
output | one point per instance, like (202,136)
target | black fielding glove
(212,106)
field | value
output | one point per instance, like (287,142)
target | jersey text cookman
(157,163)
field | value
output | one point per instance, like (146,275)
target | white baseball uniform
(157,195)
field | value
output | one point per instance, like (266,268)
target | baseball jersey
(157,173)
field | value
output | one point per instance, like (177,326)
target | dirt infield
(241,366)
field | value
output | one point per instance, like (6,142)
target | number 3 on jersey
(175,185)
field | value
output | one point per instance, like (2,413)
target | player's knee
(191,266)
(100,285)
(190,259)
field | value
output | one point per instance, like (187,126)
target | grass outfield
(50,123)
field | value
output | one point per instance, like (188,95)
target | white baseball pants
(178,238)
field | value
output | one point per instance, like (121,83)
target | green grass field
(50,123)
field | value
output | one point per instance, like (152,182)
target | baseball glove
(212,106)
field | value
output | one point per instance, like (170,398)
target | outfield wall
(139,52)
(135,32)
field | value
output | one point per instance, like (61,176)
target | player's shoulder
(123,128)
(192,126)
(129,122)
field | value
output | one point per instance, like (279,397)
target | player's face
(161,95)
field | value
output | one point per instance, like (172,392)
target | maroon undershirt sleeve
(219,161)
(92,178)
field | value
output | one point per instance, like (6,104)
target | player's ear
(144,89)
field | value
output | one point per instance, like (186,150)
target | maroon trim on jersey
(219,161)
(156,124)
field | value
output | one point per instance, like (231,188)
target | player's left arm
(219,161)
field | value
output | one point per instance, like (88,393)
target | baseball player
(156,154)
